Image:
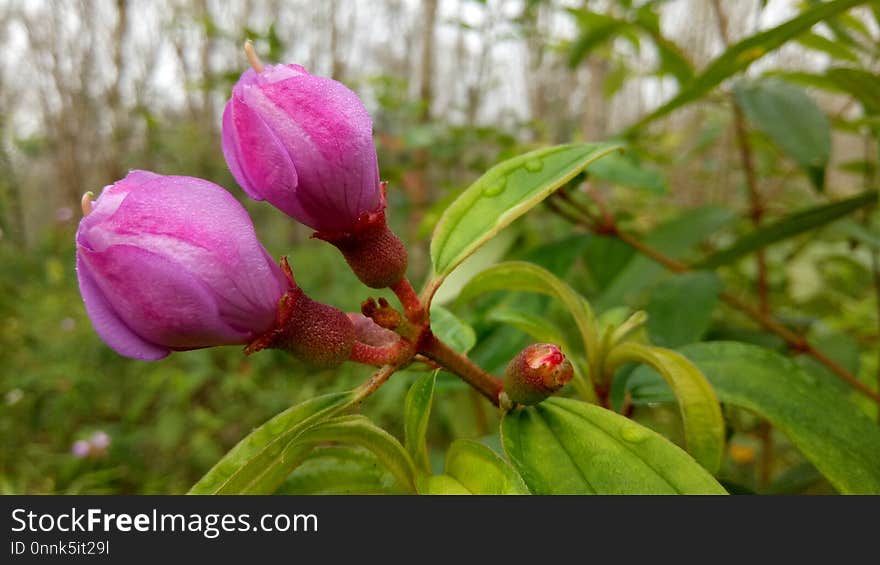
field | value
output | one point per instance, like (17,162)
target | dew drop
(495,188)
(633,433)
(534,165)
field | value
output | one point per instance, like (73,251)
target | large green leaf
(535,325)
(820,420)
(451,329)
(475,468)
(789,117)
(440,484)
(675,239)
(416,412)
(680,309)
(563,446)
(341,469)
(787,227)
(527,277)
(256,463)
(739,56)
(506,192)
(360,431)
(700,411)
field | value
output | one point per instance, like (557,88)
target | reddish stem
(486,384)
(409,299)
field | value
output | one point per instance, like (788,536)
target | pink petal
(161,301)
(107,323)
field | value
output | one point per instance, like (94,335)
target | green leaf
(527,277)
(700,411)
(452,330)
(790,226)
(861,84)
(821,421)
(253,464)
(480,470)
(563,446)
(341,469)
(490,253)
(506,192)
(680,309)
(534,325)
(738,57)
(835,49)
(417,412)
(596,29)
(360,431)
(622,170)
(440,484)
(811,80)
(789,117)
(860,233)
(675,239)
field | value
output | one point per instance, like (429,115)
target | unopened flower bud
(304,143)
(536,372)
(173,263)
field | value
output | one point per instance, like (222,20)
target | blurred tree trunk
(594,119)
(416,181)
(114,160)
(337,69)
(426,90)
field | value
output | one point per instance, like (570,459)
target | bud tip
(86,203)
(252,56)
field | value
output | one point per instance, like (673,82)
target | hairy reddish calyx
(314,332)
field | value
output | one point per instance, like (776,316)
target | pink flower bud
(303,143)
(172,263)
(537,372)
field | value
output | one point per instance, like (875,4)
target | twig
(756,205)
(794,341)
(483,382)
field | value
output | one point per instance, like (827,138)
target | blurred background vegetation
(91,89)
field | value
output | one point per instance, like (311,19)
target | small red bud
(537,372)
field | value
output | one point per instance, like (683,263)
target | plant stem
(372,384)
(409,299)
(756,211)
(875,267)
(756,206)
(795,341)
(486,384)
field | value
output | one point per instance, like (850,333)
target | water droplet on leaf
(495,188)
(534,165)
